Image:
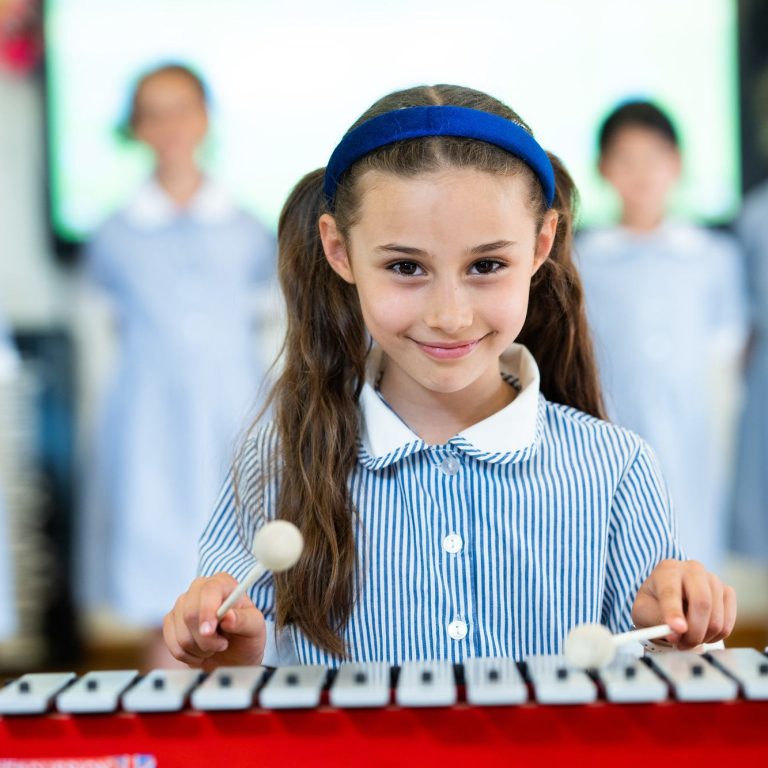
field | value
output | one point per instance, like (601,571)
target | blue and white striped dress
(498,542)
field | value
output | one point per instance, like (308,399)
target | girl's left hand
(695,603)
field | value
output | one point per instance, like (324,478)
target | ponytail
(315,402)
(556,329)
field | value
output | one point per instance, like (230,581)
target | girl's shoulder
(590,438)
(258,448)
(253,478)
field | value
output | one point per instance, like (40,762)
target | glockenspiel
(666,705)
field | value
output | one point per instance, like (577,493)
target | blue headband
(415,122)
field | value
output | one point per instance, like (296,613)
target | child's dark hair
(315,399)
(637,114)
(128,123)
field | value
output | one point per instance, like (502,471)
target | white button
(452,543)
(457,629)
(450,465)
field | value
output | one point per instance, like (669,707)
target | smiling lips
(448,350)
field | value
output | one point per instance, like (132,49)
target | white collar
(152,208)
(386,437)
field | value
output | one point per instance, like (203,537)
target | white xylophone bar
(627,680)
(693,678)
(361,685)
(294,687)
(426,684)
(493,682)
(555,682)
(162,690)
(748,667)
(33,693)
(96,692)
(228,688)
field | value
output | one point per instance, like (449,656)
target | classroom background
(284,81)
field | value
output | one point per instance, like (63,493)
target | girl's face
(171,117)
(642,166)
(442,263)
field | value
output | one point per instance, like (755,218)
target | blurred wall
(31,289)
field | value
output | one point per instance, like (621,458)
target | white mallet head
(589,646)
(277,545)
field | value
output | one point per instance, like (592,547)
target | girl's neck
(437,417)
(180,183)
(642,220)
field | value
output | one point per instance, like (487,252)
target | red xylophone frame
(728,734)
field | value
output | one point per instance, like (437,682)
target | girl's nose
(450,309)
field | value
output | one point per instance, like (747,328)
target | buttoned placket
(452,541)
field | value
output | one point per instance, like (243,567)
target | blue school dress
(750,515)
(495,543)
(668,312)
(184,284)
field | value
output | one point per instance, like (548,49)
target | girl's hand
(695,603)
(195,636)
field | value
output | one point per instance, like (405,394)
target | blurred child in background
(666,304)
(9,365)
(750,520)
(182,267)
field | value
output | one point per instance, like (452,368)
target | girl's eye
(487,266)
(406,268)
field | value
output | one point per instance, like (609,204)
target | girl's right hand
(195,636)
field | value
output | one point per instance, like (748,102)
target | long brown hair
(315,399)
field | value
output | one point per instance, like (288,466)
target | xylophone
(676,705)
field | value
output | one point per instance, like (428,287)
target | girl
(183,268)
(457,492)
(666,303)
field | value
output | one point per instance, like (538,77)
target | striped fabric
(495,543)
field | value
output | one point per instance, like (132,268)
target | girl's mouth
(448,350)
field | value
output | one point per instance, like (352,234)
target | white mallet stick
(592,646)
(277,546)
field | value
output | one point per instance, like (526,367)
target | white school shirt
(495,543)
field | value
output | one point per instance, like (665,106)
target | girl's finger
(172,643)
(243,622)
(668,588)
(717,613)
(186,627)
(729,610)
(698,597)
(204,623)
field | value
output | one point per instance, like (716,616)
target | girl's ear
(545,240)
(335,248)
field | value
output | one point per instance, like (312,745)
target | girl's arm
(642,533)
(648,579)
(191,630)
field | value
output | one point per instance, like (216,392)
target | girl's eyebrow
(478,249)
(495,246)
